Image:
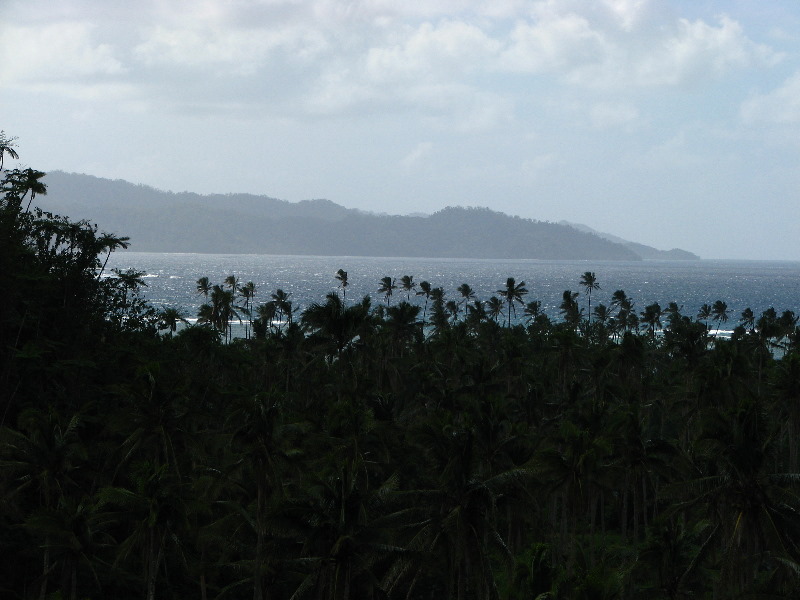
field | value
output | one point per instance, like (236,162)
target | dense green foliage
(352,452)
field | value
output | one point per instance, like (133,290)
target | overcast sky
(669,122)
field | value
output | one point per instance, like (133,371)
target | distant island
(159,221)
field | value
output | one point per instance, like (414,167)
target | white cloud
(605,115)
(618,43)
(562,42)
(782,105)
(629,13)
(52,53)
(244,51)
(418,155)
(534,167)
(447,50)
(696,51)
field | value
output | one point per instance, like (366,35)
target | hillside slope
(158,221)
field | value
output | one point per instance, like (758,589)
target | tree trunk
(45,568)
(257,575)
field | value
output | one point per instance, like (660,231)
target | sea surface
(172,279)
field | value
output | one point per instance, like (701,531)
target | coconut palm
(570,311)
(401,323)
(283,305)
(204,286)
(602,313)
(130,279)
(457,523)
(341,277)
(424,290)
(223,310)
(748,319)
(719,313)
(704,314)
(334,321)
(7,147)
(387,286)
(153,509)
(348,526)
(467,293)
(533,309)
(248,292)
(40,461)
(407,285)
(22,182)
(512,293)
(753,508)
(651,317)
(494,308)
(452,308)
(233,283)
(476,313)
(108,243)
(265,315)
(169,319)
(589,283)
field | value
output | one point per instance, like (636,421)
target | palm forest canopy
(414,444)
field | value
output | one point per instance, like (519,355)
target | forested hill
(158,221)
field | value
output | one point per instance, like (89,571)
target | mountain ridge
(238,223)
(643,250)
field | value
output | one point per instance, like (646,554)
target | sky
(674,123)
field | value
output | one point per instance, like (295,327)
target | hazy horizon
(668,123)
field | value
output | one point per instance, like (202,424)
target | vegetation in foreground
(388,448)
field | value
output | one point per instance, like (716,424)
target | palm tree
(155,506)
(341,277)
(248,292)
(467,293)
(130,278)
(569,308)
(7,147)
(223,310)
(407,285)
(438,309)
(424,290)
(589,283)
(401,323)
(602,313)
(348,528)
(170,317)
(233,283)
(108,242)
(42,455)
(625,313)
(204,286)
(387,287)
(748,319)
(476,312)
(719,313)
(513,292)
(26,181)
(533,309)
(494,308)
(704,314)
(334,321)
(651,317)
(458,513)
(266,315)
(283,305)
(452,307)
(754,509)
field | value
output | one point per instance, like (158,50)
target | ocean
(172,279)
